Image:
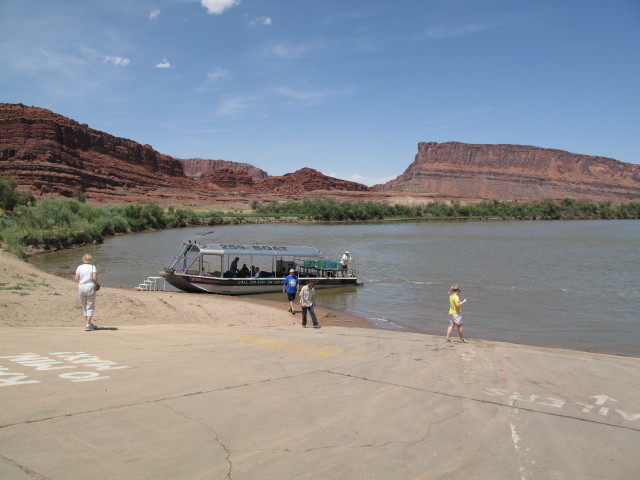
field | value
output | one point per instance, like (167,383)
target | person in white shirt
(346,258)
(87,278)
(307,301)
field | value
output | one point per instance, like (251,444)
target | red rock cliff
(228,179)
(515,172)
(199,167)
(306,180)
(54,154)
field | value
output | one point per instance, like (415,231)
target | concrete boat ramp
(243,402)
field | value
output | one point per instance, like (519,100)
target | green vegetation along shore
(27,226)
(566,209)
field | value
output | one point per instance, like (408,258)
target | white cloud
(260,21)
(163,64)
(235,105)
(155,14)
(462,26)
(217,7)
(260,101)
(216,75)
(213,78)
(310,97)
(286,51)
(118,61)
(457,31)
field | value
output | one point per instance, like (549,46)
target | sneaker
(463,340)
(316,326)
(88,327)
(304,325)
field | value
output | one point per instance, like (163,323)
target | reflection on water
(572,284)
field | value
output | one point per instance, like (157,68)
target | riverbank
(32,298)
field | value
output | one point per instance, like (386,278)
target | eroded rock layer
(199,167)
(228,179)
(515,172)
(56,156)
(307,180)
(53,154)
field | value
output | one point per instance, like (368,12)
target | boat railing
(325,268)
(318,268)
(305,268)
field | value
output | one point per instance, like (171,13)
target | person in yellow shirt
(455,315)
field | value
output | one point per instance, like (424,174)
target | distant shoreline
(79,224)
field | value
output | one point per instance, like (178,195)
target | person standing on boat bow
(291,287)
(346,259)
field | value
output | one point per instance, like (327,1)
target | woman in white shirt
(87,277)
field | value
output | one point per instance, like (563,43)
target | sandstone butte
(516,172)
(55,156)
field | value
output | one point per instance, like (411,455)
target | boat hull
(246,286)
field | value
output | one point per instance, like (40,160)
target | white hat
(346,252)
(292,270)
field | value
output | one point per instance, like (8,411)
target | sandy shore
(30,297)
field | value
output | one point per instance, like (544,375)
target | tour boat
(206,266)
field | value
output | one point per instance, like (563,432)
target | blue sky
(346,87)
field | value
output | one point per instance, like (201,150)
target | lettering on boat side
(259,282)
(57,361)
(255,247)
(588,406)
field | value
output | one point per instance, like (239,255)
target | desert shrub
(10,197)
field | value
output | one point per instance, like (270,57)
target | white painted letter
(16,380)
(554,402)
(495,392)
(601,399)
(587,408)
(632,417)
(83,376)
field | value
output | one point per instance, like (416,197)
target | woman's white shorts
(455,318)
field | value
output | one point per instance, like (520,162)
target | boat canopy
(270,250)
(215,259)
